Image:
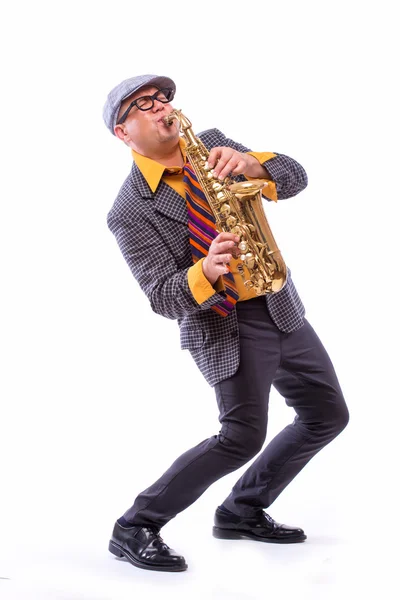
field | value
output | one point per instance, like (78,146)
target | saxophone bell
(247,188)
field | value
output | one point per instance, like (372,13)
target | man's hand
(219,255)
(225,160)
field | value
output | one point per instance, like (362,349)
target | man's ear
(120,132)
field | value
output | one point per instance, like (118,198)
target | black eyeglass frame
(168,93)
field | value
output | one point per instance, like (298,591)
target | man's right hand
(219,255)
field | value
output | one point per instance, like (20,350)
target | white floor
(59,502)
(55,525)
(346,558)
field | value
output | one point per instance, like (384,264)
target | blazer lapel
(140,183)
(171,204)
(166,200)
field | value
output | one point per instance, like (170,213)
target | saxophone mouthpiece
(168,120)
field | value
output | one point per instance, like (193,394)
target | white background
(97,398)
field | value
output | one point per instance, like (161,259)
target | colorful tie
(202,232)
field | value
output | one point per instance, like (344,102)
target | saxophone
(237,209)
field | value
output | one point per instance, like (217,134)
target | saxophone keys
(258,284)
(243,246)
(248,260)
(225,210)
(231,222)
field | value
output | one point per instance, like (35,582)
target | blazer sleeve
(288,175)
(154,267)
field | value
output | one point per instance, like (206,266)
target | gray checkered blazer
(152,233)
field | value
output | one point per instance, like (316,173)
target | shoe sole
(120,553)
(234,534)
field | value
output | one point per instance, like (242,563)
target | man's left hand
(225,160)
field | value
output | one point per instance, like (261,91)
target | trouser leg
(243,417)
(307,380)
(301,371)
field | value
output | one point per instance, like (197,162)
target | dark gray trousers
(300,369)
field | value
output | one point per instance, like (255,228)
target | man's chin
(168,133)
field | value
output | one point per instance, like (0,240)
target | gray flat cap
(125,89)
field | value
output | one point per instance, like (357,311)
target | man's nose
(157,105)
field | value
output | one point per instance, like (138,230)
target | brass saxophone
(237,208)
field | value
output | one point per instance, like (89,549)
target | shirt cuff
(199,285)
(269,191)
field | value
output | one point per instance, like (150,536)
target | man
(241,343)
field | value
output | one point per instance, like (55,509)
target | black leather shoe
(144,548)
(261,528)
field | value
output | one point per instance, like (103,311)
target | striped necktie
(202,231)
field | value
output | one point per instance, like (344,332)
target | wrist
(254,169)
(207,274)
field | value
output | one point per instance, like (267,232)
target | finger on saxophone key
(224,258)
(225,236)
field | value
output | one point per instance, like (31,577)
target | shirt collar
(152,170)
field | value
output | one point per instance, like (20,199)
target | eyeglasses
(147,102)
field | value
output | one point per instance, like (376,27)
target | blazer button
(234,334)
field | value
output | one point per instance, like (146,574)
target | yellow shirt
(199,285)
